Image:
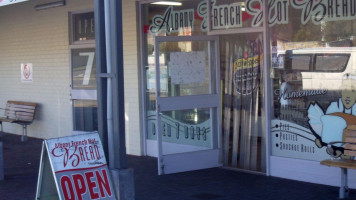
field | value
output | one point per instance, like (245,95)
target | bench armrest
(3,110)
(331,151)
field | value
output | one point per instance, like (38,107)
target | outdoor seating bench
(22,113)
(345,163)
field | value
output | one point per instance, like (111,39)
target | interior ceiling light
(50,5)
(167,3)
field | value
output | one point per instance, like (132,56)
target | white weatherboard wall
(131,74)
(42,38)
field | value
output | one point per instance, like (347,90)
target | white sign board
(78,167)
(188,67)
(26,72)
(8,2)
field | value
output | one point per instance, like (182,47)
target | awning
(8,2)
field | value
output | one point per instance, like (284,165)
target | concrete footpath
(22,162)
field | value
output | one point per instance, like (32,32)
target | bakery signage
(172,21)
(227,16)
(8,2)
(74,168)
(325,10)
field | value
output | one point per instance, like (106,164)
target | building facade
(260,86)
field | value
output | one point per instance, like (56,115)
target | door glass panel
(186,130)
(85,115)
(185,68)
(83,69)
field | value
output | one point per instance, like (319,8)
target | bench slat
(350,139)
(21,110)
(351,164)
(19,113)
(21,117)
(349,153)
(19,107)
(14,112)
(2,119)
(350,133)
(22,103)
(350,146)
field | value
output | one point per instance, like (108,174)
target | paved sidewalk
(22,162)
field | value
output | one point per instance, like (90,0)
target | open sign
(78,167)
(93,184)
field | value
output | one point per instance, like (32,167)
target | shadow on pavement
(22,162)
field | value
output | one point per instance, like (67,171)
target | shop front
(258,86)
(261,86)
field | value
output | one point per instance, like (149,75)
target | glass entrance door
(187,70)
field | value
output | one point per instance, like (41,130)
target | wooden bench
(22,113)
(346,162)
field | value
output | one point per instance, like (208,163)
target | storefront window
(313,78)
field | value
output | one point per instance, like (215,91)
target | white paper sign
(26,72)
(188,67)
(8,2)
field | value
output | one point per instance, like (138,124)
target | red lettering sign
(94,184)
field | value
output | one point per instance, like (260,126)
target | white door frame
(211,101)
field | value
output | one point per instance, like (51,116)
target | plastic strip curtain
(242,68)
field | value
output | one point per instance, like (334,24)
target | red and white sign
(8,2)
(26,72)
(79,167)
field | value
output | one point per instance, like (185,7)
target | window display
(313,79)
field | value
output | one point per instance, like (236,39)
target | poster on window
(26,73)
(315,103)
(188,67)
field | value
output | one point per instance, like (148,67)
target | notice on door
(188,67)
(74,168)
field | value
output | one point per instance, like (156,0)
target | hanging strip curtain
(242,60)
